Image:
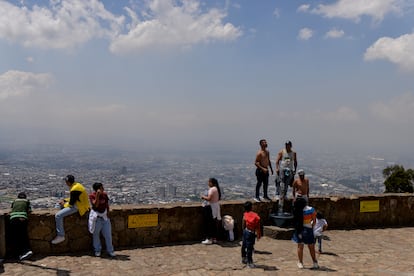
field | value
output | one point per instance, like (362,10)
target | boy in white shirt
(320,226)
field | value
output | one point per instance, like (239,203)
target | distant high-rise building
(172,190)
(161,192)
(123,170)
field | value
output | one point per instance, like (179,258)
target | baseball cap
(301,172)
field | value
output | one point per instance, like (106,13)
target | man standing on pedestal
(262,163)
(286,164)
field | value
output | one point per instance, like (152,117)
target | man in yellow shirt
(77,202)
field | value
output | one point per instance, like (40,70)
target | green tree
(398,180)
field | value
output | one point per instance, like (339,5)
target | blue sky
(202,74)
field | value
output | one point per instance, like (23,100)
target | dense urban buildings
(133,177)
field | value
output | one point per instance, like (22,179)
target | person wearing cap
(78,202)
(18,226)
(300,187)
(262,163)
(286,164)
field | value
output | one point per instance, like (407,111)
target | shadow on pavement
(322,268)
(328,253)
(228,244)
(59,272)
(120,257)
(266,267)
(262,252)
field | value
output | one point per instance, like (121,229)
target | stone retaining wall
(182,222)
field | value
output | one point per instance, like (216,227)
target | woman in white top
(211,212)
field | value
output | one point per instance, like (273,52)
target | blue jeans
(248,245)
(285,180)
(319,240)
(103,226)
(67,211)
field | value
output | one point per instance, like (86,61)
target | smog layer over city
(139,177)
(153,97)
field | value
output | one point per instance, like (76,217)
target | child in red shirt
(251,228)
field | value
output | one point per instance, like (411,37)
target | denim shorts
(306,236)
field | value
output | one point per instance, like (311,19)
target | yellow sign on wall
(369,206)
(142,220)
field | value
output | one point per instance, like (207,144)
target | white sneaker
(207,241)
(26,255)
(315,265)
(257,199)
(58,239)
(112,254)
(97,253)
(300,265)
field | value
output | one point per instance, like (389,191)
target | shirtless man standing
(301,186)
(262,163)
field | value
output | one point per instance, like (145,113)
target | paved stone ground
(357,252)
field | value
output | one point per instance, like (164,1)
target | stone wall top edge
(224,202)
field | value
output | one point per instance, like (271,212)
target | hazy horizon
(191,74)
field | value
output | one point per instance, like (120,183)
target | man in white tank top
(286,164)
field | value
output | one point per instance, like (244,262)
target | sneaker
(58,239)
(214,240)
(97,253)
(25,255)
(257,199)
(300,265)
(207,241)
(315,265)
(251,265)
(112,254)
(244,260)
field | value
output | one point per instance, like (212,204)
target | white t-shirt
(214,202)
(317,229)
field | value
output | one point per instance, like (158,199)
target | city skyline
(178,74)
(152,178)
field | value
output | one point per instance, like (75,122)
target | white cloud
(305,34)
(354,10)
(396,50)
(335,33)
(171,24)
(303,8)
(399,110)
(62,25)
(17,83)
(69,24)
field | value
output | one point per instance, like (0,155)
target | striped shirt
(309,215)
(20,208)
